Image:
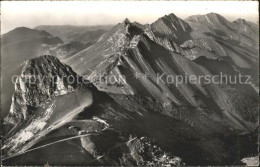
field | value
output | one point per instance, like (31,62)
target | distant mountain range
(69,33)
(139,121)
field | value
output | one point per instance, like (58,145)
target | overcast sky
(31,14)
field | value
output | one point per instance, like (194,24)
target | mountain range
(69,33)
(137,121)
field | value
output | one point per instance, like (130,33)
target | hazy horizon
(91,13)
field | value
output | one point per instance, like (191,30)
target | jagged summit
(39,104)
(245,25)
(41,79)
(240,21)
(126,21)
(243,22)
(124,26)
(171,15)
(172,27)
(46,64)
(131,28)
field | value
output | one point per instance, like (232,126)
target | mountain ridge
(70,33)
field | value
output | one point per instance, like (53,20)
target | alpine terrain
(112,95)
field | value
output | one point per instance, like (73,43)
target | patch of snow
(81,132)
(166,104)
(134,41)
(132,139)
(100,120)
(221,48)
(61,89)
(22,84)
(12,108)
(251,161)
(208,20)
(174,27)
(183,27)
(132,93)
(127,29)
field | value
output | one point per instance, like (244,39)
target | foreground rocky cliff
(44,99)
(18,46)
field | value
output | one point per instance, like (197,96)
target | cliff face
(47,95)
(41,80)
(18,46)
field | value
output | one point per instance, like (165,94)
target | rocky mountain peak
(41,79)
(172,16)
(216,17)
(207,18)
(126,21)
(173,27)
(124,24)
(132,28)
(240,21)
(213,14)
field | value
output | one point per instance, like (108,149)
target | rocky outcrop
(147,153)
(248,29)
(47,95)
(18,46)
(41,80)
(135,151)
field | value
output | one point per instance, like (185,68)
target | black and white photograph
(129,83)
